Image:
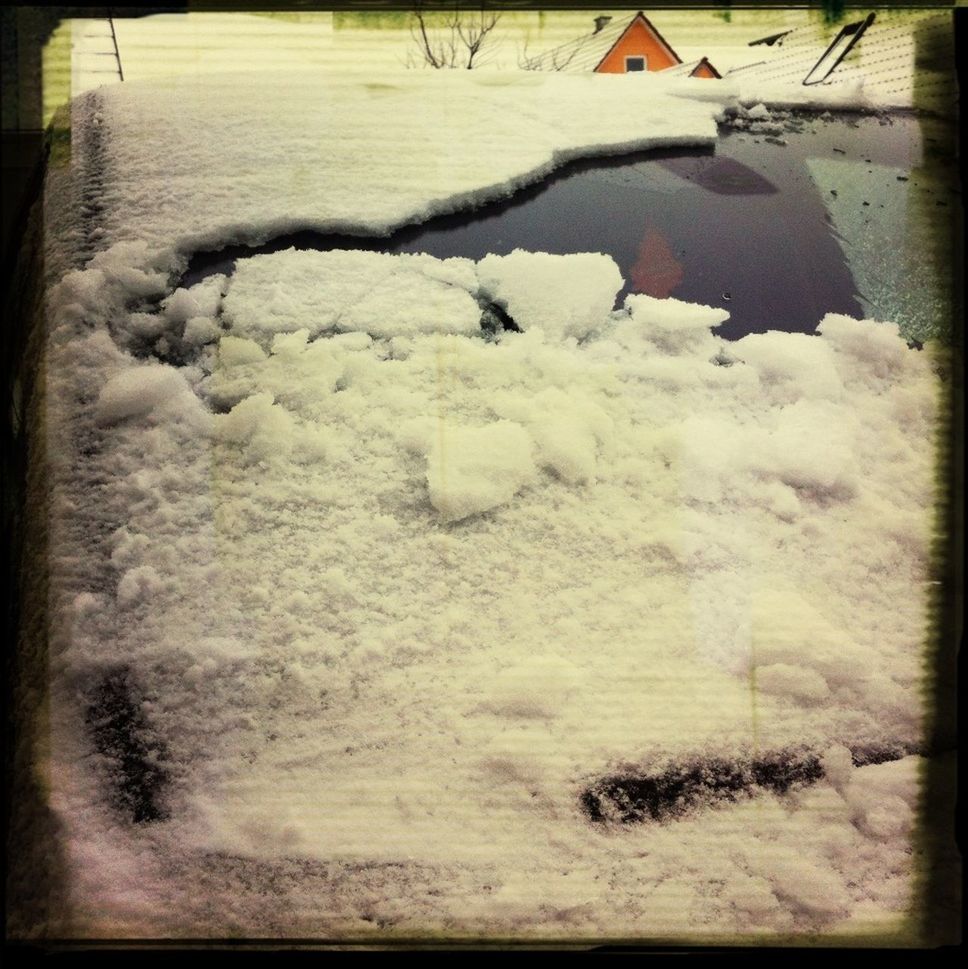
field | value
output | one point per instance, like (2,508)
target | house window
(635,63)
(837,51)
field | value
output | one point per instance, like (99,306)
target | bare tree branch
(456,41)
(554,60)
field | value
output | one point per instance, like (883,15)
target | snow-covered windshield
(490,593)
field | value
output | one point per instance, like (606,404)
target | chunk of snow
(838,766)
(200,330)
(146,325)
(132,267)
(817,891)
(138,585)
(567,430)
(261,426)
(784,679)
(671,324)
(791,366)
(138,391)
(234,351)
(474,469)
(875,783)
(566,296)
(368,292)
(874,349)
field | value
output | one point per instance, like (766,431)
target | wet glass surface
(747,225)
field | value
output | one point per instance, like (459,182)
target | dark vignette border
(25,148)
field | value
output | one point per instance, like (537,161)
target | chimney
(600,22)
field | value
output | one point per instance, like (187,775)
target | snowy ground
(367,621)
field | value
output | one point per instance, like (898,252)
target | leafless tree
(552,60)
(451,39)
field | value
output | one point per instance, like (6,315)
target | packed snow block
(202,299)
(675,326)
(811,447)
(474,469)
(138,586)
(263,429)
(838,766)
(132,266)
(236,351)
(884,797)
(792,366)
(871,350)
(818,891)
(793,682)
(147,326)
(290,346)
(283,292)
(566,296)
(370,292)
(894,778)
(410,302)
(789,633)
(568,429)
(200,330)
(79,297)
(711,454)
(138,391)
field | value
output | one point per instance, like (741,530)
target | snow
(482,135)
(566,296)
(138,391)
(390,593)
(472,470)
(352,292)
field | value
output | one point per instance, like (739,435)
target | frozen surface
(350,600)
(924,301)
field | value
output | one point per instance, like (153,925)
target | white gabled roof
(882,56)
(583,54)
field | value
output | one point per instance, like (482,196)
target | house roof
(687,70)
(588,51)
(817,55)
(797,54)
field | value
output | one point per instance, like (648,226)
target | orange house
(640,47)
(619,47)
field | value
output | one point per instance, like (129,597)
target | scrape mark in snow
(684,787)
(132,754)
